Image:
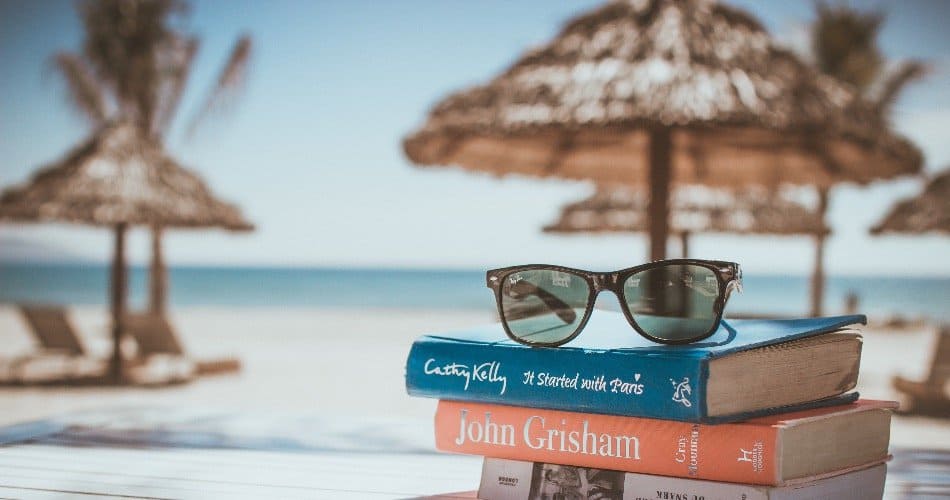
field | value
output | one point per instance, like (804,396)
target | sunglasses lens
(543,306)
(674,302)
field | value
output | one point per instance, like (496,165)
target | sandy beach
(304,361)
(345,362)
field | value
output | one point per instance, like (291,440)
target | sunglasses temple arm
(560,308)
(733,285)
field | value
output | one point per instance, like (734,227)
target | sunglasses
(673,301)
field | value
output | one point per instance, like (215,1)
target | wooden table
(163,453)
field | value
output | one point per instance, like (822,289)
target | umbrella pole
(818,274)
(158,275)
(119,284)
(684,244)
(659,207)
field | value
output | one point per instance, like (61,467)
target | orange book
(770,450)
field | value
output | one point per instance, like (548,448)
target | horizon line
(397,267)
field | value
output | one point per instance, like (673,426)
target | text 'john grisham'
(539,433)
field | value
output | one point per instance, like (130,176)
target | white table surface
(173,453)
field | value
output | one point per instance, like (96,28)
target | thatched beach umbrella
(118,179)
(654,92)
(694,210)
(928,212)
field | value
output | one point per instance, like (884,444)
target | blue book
(748,368)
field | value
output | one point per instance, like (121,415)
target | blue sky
(312,150)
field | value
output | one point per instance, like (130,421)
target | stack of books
(760,410)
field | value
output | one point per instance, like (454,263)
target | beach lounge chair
(156,338)
(53,329)
(60,358)
(932,395)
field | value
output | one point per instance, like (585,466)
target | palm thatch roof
(928,212)
(119,176)
(694,210)
(741,110)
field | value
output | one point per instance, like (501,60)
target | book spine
(667,387)
(739,453)
(517,480)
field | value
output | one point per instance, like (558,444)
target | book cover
(747,452)
(517,480)
(609,368)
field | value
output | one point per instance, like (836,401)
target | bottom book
(516,480)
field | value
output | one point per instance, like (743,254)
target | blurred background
(264,162)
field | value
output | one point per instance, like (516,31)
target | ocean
(87,284)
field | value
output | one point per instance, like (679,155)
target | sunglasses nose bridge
(606,281)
